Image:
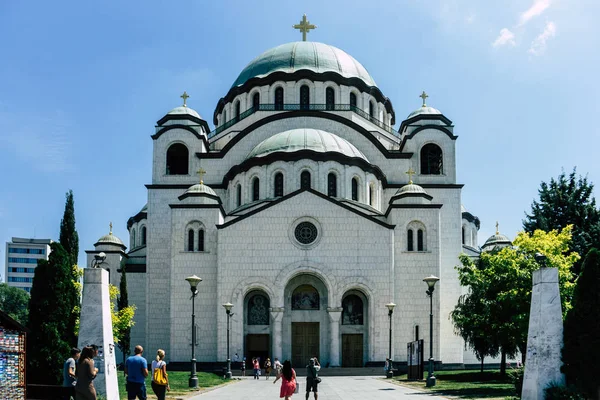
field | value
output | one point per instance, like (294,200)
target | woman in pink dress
(288,380)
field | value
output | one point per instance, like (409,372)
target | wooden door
(352,351)
(305,342)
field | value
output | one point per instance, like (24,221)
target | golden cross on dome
(201,172)
(110,226)
(497,231)
(410,173)
(424,96)
(185,96)
(304,26)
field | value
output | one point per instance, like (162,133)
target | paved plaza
(332,388)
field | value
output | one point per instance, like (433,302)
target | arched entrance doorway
(257,329)
(354,329)
(305,321)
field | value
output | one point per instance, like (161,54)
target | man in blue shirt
(136,371)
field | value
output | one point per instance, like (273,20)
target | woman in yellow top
(160,389)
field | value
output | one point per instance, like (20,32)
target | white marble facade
(359,254)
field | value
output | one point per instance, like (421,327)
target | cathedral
(307,211)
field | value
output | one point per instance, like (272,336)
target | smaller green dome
(110,239)
(305,139)
(424,110)
(184,110)
(200,188)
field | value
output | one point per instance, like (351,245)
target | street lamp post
(431,281)
(390,371)
(228,307)
(193,281)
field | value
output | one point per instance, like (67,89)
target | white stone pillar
(277,318)
(335,314)
(545,336)
(95,327)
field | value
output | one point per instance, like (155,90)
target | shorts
(311,383)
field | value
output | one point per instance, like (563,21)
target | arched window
(463,235)
(420,240)
(304,97)
(279,99)
(258,310)
(352,310)
(355,189)
(201,240)
(372,195)
(133,238)
(329,99)
(239,195)
(255,189)
(305,180)
(237,110)
(431,160)
(278,185)
(352,101)
(143,236)
(332,185)
(177,159)
(372,110)
(416,332)
(256,101)
(190,246)
(409,240)
(305,297)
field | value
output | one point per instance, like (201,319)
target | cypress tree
(69,239)
(581,346)
(50,309)
(123,302)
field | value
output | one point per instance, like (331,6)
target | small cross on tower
(304,26)
(184,96)
(410,173)
(110,226)
(497,231)
(424,96)
(201,172)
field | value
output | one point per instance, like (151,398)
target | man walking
(69,377)
(312,377)
(136,371)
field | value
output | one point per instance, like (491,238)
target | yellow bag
(160,377)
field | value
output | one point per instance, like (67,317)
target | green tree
(69,239)
(122,304)
(503,281)
(122,320)
(471,319)
(582,330)
(567,200)
(14,301)
(50,310)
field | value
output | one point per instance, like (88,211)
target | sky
(82,85)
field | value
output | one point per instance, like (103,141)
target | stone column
(95,327)
(335,314)
(277,318)
(545,336)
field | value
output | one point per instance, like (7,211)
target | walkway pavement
(332,388)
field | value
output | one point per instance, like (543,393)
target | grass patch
(466,384)
(178,381)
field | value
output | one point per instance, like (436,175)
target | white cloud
(506,37)
(470,18)
(538,7)
(538,46)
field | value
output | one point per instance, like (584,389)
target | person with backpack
(160,378)
(312,377)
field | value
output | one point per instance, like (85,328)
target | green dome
(424,110)
(184,110)
(313,56)
(201,188)
(305,139)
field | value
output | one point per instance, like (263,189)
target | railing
(302,107)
